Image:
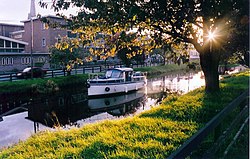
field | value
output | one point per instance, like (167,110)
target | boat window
(116,74)
(108,73)
(128,76)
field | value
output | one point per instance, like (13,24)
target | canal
(72,108)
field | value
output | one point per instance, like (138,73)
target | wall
(21,61)
(40,32)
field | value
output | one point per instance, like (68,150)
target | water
(69,109)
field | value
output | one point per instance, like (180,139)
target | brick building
(20,44)
(43,36)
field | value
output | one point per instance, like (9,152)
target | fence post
(64,72)
(83,70)
(101,68)
(11,77)
(217,132)
(93,69)
(52,73)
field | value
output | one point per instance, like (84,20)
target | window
(43,42)
(61,101)
(7,43)
(1,43)
(25,60)
(59,40)
(45,26)
(21,46)
(14,45)
(7,61)
(41,59)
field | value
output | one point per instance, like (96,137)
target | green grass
(163,69)
(26,89)
(27,85)
(155,133)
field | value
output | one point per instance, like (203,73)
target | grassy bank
(163,69)
(153,134)
(27,85)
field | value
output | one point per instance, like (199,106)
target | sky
(14,11)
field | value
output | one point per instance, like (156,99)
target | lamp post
(32,45)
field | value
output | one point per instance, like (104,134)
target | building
(14,58)
(24,45)
(41,35)
(11,53)
(17,35)
(7,29)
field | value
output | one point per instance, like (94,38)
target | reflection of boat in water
(113,102)
(116,80)
(66,108)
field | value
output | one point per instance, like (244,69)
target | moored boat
(116,80)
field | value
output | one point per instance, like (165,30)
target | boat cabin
(116,80)
(118,75)
(121,73)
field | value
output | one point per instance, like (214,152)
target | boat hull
(114,88)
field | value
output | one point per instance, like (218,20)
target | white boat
(116,80)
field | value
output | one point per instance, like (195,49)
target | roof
(46,16)
(22,53)
(13,40)
(16,32)
(123,69)
(11,24)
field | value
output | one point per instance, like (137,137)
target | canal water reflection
(72,108)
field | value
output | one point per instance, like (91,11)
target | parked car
(37,72)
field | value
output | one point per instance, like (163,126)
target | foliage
(153,134)
(66,53)
(236,50)
(155,24)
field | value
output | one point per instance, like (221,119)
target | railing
(82,70)
(191,145)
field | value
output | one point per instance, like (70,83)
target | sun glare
(210,35)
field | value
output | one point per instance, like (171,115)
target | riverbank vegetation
(164,69)
(26,86)
(155,133)
(26,89)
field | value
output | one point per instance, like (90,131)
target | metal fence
(213,126)
(81,70)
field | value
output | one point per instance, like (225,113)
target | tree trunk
(209,64)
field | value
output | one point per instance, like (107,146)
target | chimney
(32,10)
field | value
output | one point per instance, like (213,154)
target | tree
(238,43)
(202,23)
(66,54)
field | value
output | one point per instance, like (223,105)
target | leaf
(134,18)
